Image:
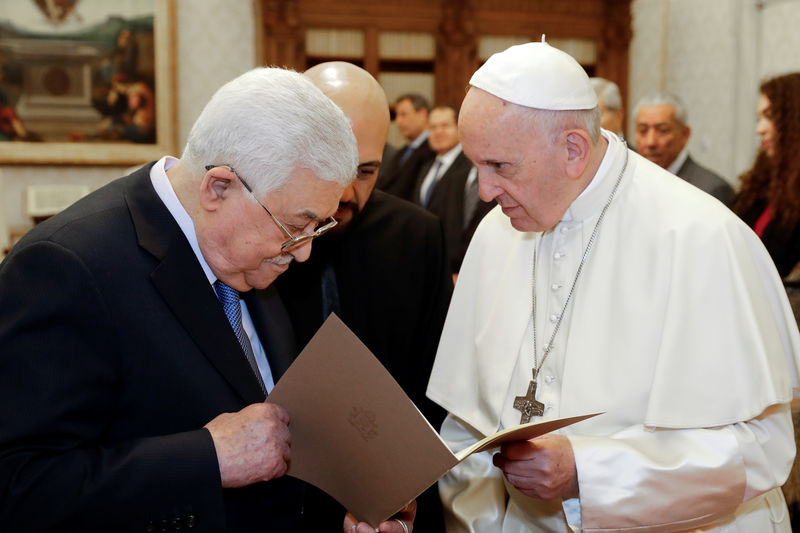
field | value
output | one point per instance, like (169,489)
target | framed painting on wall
(86,81)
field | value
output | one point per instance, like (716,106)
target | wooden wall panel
(456,26)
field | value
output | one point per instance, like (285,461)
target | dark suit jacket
(460,168)
(114,352)
(389,152)
(451,212)
(783,246)
(399,178)
(706,180)
(394,291)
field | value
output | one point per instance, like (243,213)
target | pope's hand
(541,468)
(252,445)
(401,522)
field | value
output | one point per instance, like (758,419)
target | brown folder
(356,434)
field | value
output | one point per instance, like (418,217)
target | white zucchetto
(536,75)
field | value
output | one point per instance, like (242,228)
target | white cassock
(679,330)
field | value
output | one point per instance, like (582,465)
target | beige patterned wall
(216,43)
(713,54)
(780,50)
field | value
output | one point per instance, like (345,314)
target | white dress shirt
(436,171)
(164,190)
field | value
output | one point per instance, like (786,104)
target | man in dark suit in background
(449,160)
(461,211)
(662,136)
(382,270)
(448,186)
(132,376)
(399,176)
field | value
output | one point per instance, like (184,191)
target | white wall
(713,54)
(216,42)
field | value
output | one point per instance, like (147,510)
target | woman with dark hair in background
(769,198)
(769,202)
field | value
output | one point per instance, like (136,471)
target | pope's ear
(578,149)
(216,182)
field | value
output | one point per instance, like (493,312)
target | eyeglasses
(293,241)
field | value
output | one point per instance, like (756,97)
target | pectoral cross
(527,404)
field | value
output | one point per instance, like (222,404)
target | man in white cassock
(602,283)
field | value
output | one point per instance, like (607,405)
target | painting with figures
(84,78)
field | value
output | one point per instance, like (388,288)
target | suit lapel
(420,178)
(274,328)
(480,211)
(391,170)
(454,197)
(182,283)
(450,189)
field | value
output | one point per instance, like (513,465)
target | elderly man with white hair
(662,135)
(134,355)
(609,100)
(601,283)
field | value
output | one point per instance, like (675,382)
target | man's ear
(578,149)
(213,187)
(686,132)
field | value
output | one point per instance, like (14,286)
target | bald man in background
(399,174)
(383,271)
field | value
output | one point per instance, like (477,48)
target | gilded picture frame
(102,95)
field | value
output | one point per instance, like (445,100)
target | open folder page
(356,434)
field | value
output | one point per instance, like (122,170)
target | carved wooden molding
(456,26)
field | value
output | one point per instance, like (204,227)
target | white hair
(608,92)
(667,99)
(269,122)
(553,123)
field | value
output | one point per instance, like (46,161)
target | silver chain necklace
(527,404)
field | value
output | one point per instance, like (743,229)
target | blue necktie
(229,298)
(330,292)
(427,198)
(406,154)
